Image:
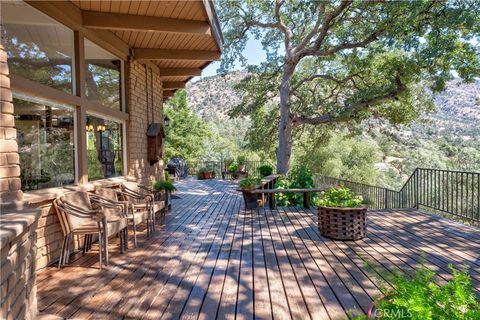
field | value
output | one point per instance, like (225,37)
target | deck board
(214,259)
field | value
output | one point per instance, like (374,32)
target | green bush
(241,160)
(164,185)
(419,297)
(341,197)
(298,178)
(265,170)
(232,168)
(249,183)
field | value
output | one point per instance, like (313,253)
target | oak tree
(332,62)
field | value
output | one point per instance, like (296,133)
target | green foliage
(248,183)
(336,154)
(241,160)
(299,177)
(340,197)
(201,172)
(232,168)
(186,134)
(265,170)
(164,185)
(419,297)
(228,162)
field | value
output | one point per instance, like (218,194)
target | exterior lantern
(155,135)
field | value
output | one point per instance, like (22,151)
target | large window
(45,142)
(104,148)
(102,76)
(38,47)
(42,50)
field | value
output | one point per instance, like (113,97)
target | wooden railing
(455,193)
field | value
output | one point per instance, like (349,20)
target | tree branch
(326,77)
(324,30)
(349,111)
(287,34)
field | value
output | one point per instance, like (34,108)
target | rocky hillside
(457,114)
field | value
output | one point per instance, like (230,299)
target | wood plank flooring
(213,259)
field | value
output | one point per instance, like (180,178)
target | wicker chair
(134,217)
(141,201)
(81,214)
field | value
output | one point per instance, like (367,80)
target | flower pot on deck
(342,223)
(208,175)
(250,199)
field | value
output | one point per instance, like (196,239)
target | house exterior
(81,82)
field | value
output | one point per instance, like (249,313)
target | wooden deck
(214,259)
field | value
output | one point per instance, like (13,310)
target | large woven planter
(342,223)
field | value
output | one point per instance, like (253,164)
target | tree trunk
(284,150)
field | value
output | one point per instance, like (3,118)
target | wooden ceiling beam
(173,85)
(180,72)
(167,54)
(129,22)
(168,94)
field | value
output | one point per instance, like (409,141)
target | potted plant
(247,185)
(419,297)
(165,189)
(233,170)
(227,162)
(342,215)
(205,173)
(265,170)
(241,162)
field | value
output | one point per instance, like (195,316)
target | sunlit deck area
(215,259)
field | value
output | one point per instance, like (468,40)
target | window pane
(102,76)
(38,47)
(45,142)
(104,148)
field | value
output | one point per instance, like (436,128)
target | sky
(253,52)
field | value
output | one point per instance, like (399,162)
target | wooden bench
(267,183)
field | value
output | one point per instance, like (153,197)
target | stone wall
(143,108)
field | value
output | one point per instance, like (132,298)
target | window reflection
(104,148)
(102,76)
(45,143)
(38,47)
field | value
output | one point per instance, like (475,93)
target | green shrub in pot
(164,185)
(265,170)
(248,184)
(340,197)
(232,168)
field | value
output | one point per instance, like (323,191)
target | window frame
(78,99)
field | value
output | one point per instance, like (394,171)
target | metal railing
(219,166)
(455,193)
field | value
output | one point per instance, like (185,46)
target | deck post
(306,199)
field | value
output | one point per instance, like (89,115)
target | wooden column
(81,117)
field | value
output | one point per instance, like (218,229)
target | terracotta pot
(208,175)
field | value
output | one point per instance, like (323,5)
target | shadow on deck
(214,259)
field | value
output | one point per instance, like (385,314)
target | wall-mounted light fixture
(166,120)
